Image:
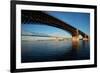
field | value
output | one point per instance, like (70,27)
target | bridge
(28,16)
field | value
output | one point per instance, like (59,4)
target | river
(54,50)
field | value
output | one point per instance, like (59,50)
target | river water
(54,50)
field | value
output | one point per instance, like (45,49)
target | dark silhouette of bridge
(29,16)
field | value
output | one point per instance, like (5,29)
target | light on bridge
(75,38)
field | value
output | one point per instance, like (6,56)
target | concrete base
(75,38)
(85,39)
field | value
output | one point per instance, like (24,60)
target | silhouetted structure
(29,16)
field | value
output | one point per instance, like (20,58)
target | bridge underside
(42,17)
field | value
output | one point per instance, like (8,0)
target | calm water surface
(53,50)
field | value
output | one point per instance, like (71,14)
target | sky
(77,20)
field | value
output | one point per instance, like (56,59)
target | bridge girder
(41,17)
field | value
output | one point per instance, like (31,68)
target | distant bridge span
(41,17)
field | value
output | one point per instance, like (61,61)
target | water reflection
(80,50)
(85,42)
(75,45)
(53,50)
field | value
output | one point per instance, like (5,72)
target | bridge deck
(41,17)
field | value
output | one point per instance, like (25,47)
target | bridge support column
(75,42)
(85,38)
(75,38)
